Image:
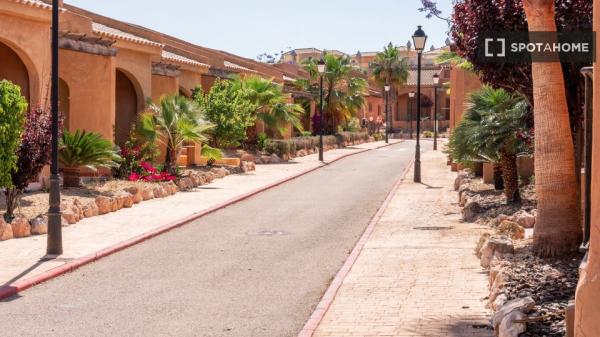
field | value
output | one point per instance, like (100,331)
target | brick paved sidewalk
(417,275)
(21,258)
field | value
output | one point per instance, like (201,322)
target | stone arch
(128,103)
(64,102)
(16,67)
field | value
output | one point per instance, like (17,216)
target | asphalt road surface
(256,268)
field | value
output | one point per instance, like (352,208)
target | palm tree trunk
(510,176)
(558,227)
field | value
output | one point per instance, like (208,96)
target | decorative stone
(274,159)
(39,225)
(125,199)
(210,176)
(90,209)
(471,210)
(159,192)
(524,219)
(220,172)
(523,305)
(247,157)
(136,194)
(6,232)
(196,179)
(511,229)
(460,178)
(512,325)
(266,159)
(20,227)
(147,193)
(247,166)
(495,244)
(301,153)
(499,302)
(105,204)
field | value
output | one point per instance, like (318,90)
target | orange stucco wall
(30,42)
(163,85)
(91,81)
(587,310)
(462,82)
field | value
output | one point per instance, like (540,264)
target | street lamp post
(411,95)
(54,243)
(419,40)
(387,115)
(436,82)
(321,70)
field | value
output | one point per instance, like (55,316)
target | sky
(252,27)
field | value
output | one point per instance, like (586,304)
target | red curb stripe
(21,285)
(321,309)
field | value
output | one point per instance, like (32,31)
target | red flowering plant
(149,173)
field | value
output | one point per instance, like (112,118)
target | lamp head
(321,66)
(419,39)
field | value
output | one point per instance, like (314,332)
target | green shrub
(261,140)
(428,134)
(86,149)
(212,154)
(281,147)
(12,124)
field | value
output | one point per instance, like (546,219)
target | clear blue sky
(251,27)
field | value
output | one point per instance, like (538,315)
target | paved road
(256,268)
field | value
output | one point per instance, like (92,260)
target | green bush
(427,134)
(12,124)
(281,147)
(86,149)
(212,154)
(261,140)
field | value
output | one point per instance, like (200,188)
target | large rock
(511,229)
(274,159)
(20,227)
(147,193)
(90,209)
(460,179)
(523,305)
(301,153)
(499,301)
(169,187)
(220,172)
(196,179)
(105,204)
(247,157)
(159,192)
(495,245)
(136,194)
(71,211)
(125,199)
(247,166)
(524,219)
(265,159)
(471,210)
(512,325)
(39,225)
(6,232)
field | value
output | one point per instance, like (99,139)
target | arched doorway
(126,109)
(64,97)
(13,69)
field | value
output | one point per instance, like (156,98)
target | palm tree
(271,103)
(491,130)
(558,228)
(175,121)
(389,68)
(343,87)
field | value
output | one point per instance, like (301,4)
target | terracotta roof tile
(114,33)
(34,3)
(232,65)
(169,56)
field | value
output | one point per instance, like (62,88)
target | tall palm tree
(491,130)
(343,88)
(271,103)
(174,121)
(558,228)
(391,69)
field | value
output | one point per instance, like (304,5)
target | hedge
(289,147)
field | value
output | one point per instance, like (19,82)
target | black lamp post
(419,40)
(436,82)
(54,244)
(387,115)
(321,70)
(411,95)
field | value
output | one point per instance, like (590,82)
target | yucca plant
(491,130)
(84,149)
(175,121)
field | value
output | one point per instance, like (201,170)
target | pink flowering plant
(150,173)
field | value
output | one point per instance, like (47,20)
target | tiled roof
(182,59)
(237,67)
(426,77)
(114,33)
(34,3)
(289,79)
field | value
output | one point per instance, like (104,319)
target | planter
(71,176)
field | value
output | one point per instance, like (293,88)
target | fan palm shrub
(493,129)
(173,122)
(84,149)
(271,106)
(343,88)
